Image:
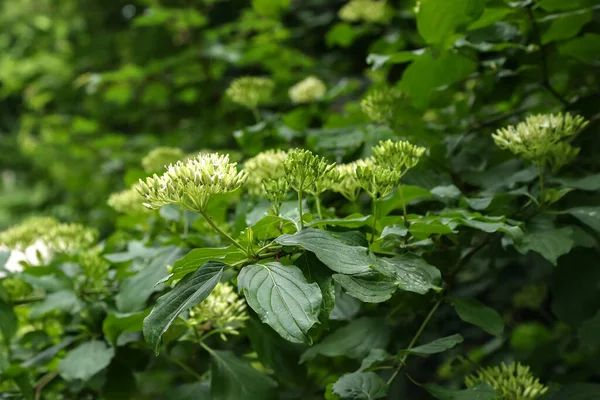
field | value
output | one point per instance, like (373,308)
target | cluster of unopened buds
(251,91)
(511,382)
(308,90)
(364,10)
(127,201)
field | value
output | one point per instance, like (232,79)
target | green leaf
(337,255)
(396,200)
(411,272)
(360,386)
(136,290)
(370,287)
(282,298)
(375,357)
(190,291)
(346,307)
(543,238)
(341,34)
(269,227)
(351,221)
(559,5)
(490,16)
(437,346)
(235,379)
(65,300)
(197,257)
(354,340)
(423,229)
(576,391)
(8,322)
(438,20)
(43,357)
(566,26)
(589,182)
(117,323)
(270,8)
(86,360)
(427,73)
(482,391)
(476,313)
(583,48)
(588,215)
(377,61)
(589,334)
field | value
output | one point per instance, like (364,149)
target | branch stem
(223,233)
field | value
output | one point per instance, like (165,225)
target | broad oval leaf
(476,313)
(86,360)
(411,272)
(361,386)
(588,215)
(370,287)
(282,298)
(190,291)
(235,379)
(337,255)
(437,346)
(197,257)
(354,340)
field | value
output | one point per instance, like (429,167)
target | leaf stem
(187,368)
(224,234)
(318,202)
(300,209)
(415,338)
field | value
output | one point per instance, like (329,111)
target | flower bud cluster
(511,382)
(276,191)
(27,232)
(303,169)
(343,180)
(398,156)
(94,267)
(157,159)
(381,105)
(223,309)
(540,139)
(364,10)
(127,201)
(251,91)
(308,90)
(265,166)
(16,287)
(192,183)
(70,238)
(376,180)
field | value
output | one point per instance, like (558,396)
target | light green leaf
(269,227)
(437,346)
(588,215)
(377,61)
(190,291)
(117,323)
(490,16)
(411,272)
(375,357)
(437,20)
(341,34)
(197,257)
(282,298)
(483,391)
(370,287)
(234,379)
(337,255)
(136,289)
(270,8)
(86,360)
(354,340)
(360,386)
(566,26)
(476,313)
(65,300)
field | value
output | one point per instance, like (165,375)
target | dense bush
(276,199)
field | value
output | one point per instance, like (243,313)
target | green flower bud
(251,91)
(192,183)
(27,232)
(156,160)
(264,166)
(223,309)
(342,179)
(381,105)
(70,238)
(94,268)
(308,90)
(303,169)
(276,191)
(376,180)
(16,287)
(127,201)
(512,382)
(398,156)
(364,10)
(540,139)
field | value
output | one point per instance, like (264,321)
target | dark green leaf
(482,391)
(576,391)
(8,322)
(235,379)
(437,346)
(360,386)
(542,237)
(396,200)
(117,323)
(590,182)
(583,48)
(369,288)
(375,357)
(351,221)
(197,257)
(337,255)
(589,333)
(282,298)
(85,360)
(354,340)
(566,26)
(476,313)
(190,291)
(346,307)
(588,215)
(411,272)
(65,300)
(46,355)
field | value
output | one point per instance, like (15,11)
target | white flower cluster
(308,90)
